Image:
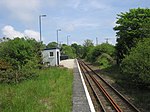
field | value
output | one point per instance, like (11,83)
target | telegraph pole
(96,41)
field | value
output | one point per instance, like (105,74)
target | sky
(80,19)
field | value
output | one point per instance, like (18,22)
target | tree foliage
(19,51)
(87,45)
(130,29)
(78,49)
(68,50)
(105,60)
(98,50)
(136,65)
(18,57)
(51,45)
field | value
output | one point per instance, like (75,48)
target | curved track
(107,97)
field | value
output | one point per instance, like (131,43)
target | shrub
(16,76)
(4,65)
(68,50)
(19,51)
(136,66)
(100,49)
(105,60)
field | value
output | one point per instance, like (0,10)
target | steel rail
(117,92)
(95,94)
(112,102)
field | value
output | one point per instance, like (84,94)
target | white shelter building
(51,56)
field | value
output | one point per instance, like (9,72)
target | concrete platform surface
(69,63)
(81,98)
(80,101)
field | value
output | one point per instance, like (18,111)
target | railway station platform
(81,98)
(80,103)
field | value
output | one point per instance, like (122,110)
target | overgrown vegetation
(130,57)
(131,27)
(102,55)
(68,50)
(51,91)
(136,66)
(18,58)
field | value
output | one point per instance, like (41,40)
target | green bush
(68,50)
(19,51)
(105,61)
(18,58)
(4,65)
(16,76)
(136,66)
(102,48)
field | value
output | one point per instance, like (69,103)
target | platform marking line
(86,90)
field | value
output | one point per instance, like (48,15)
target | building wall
(51,60)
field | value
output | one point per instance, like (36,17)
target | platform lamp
(40,16)
(57,35)
(68,39)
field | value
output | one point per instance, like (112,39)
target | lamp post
(68,39)
(57,35)
(40,16)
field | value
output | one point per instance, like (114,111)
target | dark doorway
(57,58)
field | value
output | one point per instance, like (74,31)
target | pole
(57,35)
(68,39)
(40,27)
(96,41)
(107,40)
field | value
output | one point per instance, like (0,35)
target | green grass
(50,92)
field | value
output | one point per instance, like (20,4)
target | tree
(130,29)
(102,54)
(68,50)
(18,58)
(100,49)
(136,66)
(51,45)
(19,51)
(87,45)
(78,49)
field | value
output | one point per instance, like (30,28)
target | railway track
(106,98)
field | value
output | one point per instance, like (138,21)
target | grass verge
(50,92)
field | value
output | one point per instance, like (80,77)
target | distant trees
(87,46)
(102,54)
(78,50)
(68,50)
(131,27)
(51,45)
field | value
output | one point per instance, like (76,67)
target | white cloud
(10,32)
(21,9)
(71,25)
(32,34)
(87,5)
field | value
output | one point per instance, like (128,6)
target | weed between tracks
(51,91)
